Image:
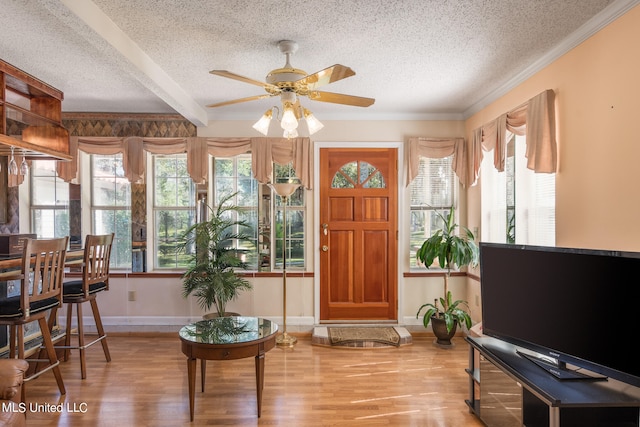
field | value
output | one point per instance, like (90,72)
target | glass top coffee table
(227,338)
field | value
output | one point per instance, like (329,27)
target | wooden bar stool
(40,293)
(95,279)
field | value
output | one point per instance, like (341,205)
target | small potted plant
(211,277)
(450,249)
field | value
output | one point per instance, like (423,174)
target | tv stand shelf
(507,389)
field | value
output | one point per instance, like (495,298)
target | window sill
(175,273)
(440,273)
(432,273)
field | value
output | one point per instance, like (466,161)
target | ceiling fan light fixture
(313,123)
(290,133)
(262,125)
(289,121)
(290,84)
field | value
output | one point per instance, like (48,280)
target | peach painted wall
(597,85)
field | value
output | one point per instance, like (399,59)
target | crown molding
(588,29)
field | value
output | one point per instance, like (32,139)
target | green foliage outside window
(172,195)
(295,221)
(111,205)
(174,209)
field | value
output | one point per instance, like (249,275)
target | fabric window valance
(535,119)
(264,150)
(436,148)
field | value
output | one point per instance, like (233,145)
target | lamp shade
(313,124)
(289,121)
(262,125)
(285,189)
(293,133)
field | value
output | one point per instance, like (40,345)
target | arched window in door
(358,174)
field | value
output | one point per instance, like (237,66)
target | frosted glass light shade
(262,125)
(313,124)
(285,189)
(289,121)
(290,133)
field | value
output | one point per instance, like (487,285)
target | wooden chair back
(43,270)
(97,255)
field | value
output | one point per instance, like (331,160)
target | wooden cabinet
(506,389)
(30,116)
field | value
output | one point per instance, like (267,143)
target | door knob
(325,248)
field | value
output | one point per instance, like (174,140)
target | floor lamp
(284,190)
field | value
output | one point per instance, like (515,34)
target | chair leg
(12,342)
(43,351)
(83,364)
(100,328)
(53,317)
(19,331)
(53,358)
(67,338)
(13,334)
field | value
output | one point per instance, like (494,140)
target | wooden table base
(191,372)
(204,351)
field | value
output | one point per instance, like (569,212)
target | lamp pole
(284,190)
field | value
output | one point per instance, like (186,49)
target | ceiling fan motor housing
(285,77)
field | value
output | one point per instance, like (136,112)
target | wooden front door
(358,234)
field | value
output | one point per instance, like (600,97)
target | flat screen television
(571,308)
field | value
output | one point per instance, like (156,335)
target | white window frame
(276,213)
(39,207)
(442,208)
(120,239)
(534,202)
(152,229)
(235,188)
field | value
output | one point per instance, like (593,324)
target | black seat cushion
(10,308)
(73,288)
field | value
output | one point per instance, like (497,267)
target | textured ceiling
(420,59)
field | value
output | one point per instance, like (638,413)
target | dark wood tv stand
(505,389)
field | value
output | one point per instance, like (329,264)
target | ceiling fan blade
(326,76)
(237,101)
(234,76)
(339,98)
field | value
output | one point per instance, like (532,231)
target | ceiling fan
(290,83)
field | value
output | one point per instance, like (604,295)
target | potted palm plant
(450,249)
(211,277)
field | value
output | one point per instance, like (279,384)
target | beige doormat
(369,336)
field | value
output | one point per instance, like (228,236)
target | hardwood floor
(145,384)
